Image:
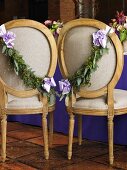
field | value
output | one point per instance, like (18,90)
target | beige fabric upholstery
(120,101)
(25,103)
(34,47)
(77,47)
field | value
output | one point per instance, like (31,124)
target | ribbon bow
(100,37)
(64,86)
(48,83)
(8,37)
(2,30)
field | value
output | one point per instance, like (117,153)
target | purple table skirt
(94,127)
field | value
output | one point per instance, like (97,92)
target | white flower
(125,25)
(58,30)
(54,22)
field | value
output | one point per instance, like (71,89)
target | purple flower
(8,38)
(100,38)
(55,34)
(120,17)
(48,83)
(65,86)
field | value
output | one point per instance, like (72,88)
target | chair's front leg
(51,128)
(3,136)
(45,135)
(110,139)
(71,131)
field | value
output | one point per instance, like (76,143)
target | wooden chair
(99,99)
(35,42)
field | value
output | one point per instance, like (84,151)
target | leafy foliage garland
(24,71)
(21,69)
(83,75)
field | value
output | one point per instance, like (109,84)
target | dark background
(38,9)
(107,9)
(32,9)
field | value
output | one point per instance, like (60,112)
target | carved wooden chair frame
(5,89)
(108,89)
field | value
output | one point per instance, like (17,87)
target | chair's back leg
(51,128)
(79,129)
(3,136)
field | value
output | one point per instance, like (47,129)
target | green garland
(83,75)
(21,69)
(24,71)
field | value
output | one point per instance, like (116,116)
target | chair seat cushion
(120,101)
(25,103)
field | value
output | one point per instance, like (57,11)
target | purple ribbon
(65,86)
(48,83)
(8,37)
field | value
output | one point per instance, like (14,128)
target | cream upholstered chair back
(74,47)
(36,44)
(77,48)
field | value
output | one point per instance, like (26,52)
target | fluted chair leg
(110,139)
(45,135)
(79,129)
(51,128)
(3,136)
(71,131)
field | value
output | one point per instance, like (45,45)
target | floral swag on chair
(44,85)
(119,24)
(54,26)
(83,75)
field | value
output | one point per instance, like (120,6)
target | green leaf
(85,71)
(104,51)
(62,96)
(123,35)
(16,68)
(4,49)
(10,52)
(79,80)
(55,26)
(94,62)
(57,94)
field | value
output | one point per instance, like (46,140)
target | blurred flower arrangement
(120,25)
(54,26)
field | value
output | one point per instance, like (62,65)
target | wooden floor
(25,152)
